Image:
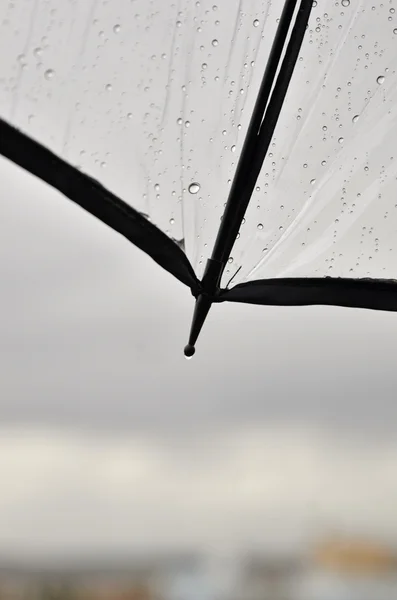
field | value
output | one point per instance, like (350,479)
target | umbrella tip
(189,350)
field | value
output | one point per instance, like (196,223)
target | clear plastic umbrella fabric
(153,99)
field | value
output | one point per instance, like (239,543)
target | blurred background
(263,469)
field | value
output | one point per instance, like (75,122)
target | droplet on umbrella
(194,188)
(108,87)
(380,79)
(341,140)
(256,23)
(116,28)
(259,226)
(355,118)
(214,42)
(49,73)
(345,3)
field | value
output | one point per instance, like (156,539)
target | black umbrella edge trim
(376,294)
(90,195)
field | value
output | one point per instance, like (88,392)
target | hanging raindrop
(189,351)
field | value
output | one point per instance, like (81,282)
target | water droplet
(108,87)
(312,181)
(345,3)
(230,259)
(233,148)
(323,163)
(116,28)
(187,123)
(395,31)
(37,52)
(157,187)
(256,23)
(129,115)
(259,226)
(355,118)
(380,79)
(178,24)
(172,221)
(189,352)
(103,164)
(194,188)
(214,42)
(341,140)
(49,74)
(179,121)
(204,66)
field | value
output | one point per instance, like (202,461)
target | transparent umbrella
(247,146)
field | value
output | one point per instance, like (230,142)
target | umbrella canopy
(245,145)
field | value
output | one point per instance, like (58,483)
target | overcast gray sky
(283,424)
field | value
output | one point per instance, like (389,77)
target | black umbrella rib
(260,132)
(264,119)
